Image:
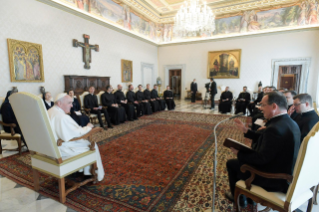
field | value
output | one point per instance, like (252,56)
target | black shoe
(229,196)
(110,126)
(242,201)
(251,202)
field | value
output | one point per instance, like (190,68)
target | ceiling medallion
(194,18)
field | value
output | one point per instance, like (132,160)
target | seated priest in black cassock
(8,116)
(116,112)
(121,100)
(47,100)
(141,99)
(242,101)
(225,102)
(75,112)
(252,105)
(131,99)
(154,95)
(307,116)
(290,100)
(169,98)
(257,113)
(153,101)
(275,149)
(90,102)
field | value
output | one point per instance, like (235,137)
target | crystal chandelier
(194,19)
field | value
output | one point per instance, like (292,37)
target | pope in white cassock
(66,129)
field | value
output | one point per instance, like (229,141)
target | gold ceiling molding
(269,4)
(221,9)
(142,10)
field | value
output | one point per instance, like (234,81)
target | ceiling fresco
(153,19)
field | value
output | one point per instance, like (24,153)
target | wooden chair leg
(19,145)
(310,203)
(315,201)
(0,147)
(236,197)
(62,190)
(93,172)
(36,180)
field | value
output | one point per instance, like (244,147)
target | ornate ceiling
(163,11)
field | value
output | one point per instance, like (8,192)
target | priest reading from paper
(66,129)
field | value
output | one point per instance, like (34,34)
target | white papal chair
(305,177)
(43,144)
(8,136)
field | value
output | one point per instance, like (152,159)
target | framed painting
(26,61)
(224,64)
(127,70)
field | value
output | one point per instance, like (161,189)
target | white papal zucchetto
(60,96)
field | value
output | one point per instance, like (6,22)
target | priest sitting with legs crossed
(67,129)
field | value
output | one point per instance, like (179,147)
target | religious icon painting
(26,61)
(224,64)
(127,70)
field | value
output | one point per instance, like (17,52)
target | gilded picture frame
(127,70)
(224,64)
(26,61)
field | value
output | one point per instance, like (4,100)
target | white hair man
(66,129)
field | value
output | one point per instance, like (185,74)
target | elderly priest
(66,129)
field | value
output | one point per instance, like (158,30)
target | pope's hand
(90,125)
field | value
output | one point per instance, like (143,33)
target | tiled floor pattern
(15,197)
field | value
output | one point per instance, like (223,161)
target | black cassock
(225,106)
(241,105)
(130,96)
(117,114)
(82,120)
(8,117)
(146,105)
(161,102)
(154,104)
(129,108)
(170,102)
(306,121)
(90,101)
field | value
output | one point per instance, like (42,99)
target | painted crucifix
(86,50)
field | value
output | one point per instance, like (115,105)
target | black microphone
(215,160)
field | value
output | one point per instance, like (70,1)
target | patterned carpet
(162,162)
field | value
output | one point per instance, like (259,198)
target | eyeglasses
(297,104)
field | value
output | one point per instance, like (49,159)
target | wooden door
(288,81)
(175,82)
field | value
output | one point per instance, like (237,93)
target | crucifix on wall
(86,50)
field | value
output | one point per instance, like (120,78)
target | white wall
(257,53)
(32,21)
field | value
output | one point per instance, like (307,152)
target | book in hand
(237,145)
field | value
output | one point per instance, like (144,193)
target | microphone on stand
(215,160)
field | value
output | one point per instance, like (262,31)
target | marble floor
(15,197)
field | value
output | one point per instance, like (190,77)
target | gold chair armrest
(89,136)
(254,171)
(11,125)
(87,111)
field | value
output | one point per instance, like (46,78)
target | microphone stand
(215,157)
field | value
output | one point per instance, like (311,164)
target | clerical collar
(311,109)
(281,114)
(48,102)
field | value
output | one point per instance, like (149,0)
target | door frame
(182,67)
